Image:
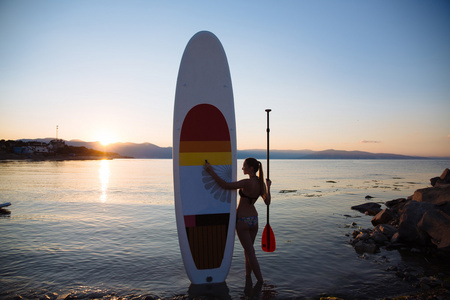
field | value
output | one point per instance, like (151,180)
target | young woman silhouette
(247,217)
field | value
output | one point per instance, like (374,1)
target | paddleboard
(204,128)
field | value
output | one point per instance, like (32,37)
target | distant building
(32,147)
(38,147)
(22,150)
(54,145)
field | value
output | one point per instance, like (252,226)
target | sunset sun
(106,141)
(105,138)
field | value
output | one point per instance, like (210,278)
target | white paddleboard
(204,129)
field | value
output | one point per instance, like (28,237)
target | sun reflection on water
(104,179)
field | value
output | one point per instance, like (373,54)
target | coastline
(58,157)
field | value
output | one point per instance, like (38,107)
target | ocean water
(106,229)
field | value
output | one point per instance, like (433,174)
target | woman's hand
(208,168)
(268,198)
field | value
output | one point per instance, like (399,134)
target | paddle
(268,238)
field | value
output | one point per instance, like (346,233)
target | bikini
(253,220)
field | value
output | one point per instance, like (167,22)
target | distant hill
(341,154)
(144,150)
(275,154)
(148,150)
(326,154)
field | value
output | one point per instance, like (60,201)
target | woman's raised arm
(222,183)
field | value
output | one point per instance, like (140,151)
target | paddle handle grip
(268,132)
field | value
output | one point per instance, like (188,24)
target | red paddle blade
(268,239)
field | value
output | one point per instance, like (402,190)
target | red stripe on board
(189,221)
(204,122)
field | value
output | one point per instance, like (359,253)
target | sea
(105,229)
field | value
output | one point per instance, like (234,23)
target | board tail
(207,236)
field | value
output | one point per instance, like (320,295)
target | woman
(247,216)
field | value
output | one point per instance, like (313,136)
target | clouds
(370,142)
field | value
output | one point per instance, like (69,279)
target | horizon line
(252,149)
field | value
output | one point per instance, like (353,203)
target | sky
(347,75)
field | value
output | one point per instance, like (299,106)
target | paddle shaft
(268,158)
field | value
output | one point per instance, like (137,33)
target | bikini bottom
(250,221)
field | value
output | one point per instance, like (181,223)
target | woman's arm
(222,183)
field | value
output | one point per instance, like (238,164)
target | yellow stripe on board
(198,158)
(205,146)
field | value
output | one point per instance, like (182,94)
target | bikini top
(252,200)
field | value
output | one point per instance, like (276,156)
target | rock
(378,237)
(434,180)
(383,217)
(397,206)
(387,230)
(4,211)
(371,208)
(412,213)
(421,221)
(443,179)
(430,282)
(438,195)
(445,208)
(394,202)
(445,176)
(362,236)
(52,296)
(395,238)
(436,224)
(424,286)
(359,247)
(364,247)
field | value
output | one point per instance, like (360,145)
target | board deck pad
(207,237)
(204,130)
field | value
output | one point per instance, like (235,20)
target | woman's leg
(244,235)
(247,237)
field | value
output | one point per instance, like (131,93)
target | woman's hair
(257,166)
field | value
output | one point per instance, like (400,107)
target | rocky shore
(59,157)
(419,224)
